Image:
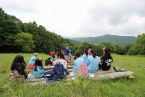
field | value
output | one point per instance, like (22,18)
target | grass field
(122,87)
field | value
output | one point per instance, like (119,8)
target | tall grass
(122,87)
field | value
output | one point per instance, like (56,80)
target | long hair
(17,60)
(38,62)
(60,55)
(86,51)
(93,53)
(77,55)
(59,50)
(107,53)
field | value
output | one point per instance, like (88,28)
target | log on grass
(112,75)
(50,67)
(36,80)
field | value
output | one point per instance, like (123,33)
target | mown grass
(122,87)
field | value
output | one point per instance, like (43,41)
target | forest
(16,36)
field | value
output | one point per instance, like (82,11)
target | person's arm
(74,64)
(112,59)
(101,61)
(40,69)
(54,62)
(25,74)
(12,67)
(88,62)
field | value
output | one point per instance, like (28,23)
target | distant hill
(114,39)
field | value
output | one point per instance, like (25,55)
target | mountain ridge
(114,39)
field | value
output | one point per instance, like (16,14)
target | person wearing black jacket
(106,60)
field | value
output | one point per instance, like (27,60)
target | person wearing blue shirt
(38,70)
(78,60)
(32,61)
(68,53)
(94,61)
(86,56)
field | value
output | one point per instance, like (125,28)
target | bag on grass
(117,69)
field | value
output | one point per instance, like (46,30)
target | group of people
(89,59)
(51,56)
(92,61)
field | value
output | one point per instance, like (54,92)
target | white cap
(35,54)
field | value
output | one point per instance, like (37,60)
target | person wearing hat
(32,61)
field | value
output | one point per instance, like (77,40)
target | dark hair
(61,55)
(58,50)
(107,53)
(17,60)
(86,51)
(38,62)
(77,55)
(93,53)
(90,47)
(19,64)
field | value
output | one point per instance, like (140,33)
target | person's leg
(46,62)
(25,74)
(49,75)
(66,71)
(16,74)
(100,66)
(108,67)
(49,72)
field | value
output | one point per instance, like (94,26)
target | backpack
(58,71)
(83,70)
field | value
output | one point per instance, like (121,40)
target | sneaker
(117,69)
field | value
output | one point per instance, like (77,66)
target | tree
(44,40)
(133,50)
(9,27)
(25,41)
(139,47)
(97,48)
(141,44)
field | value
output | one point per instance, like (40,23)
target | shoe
(117,69)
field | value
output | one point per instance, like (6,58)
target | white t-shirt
(62,61)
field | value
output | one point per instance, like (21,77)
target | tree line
(16,36)
(137,48)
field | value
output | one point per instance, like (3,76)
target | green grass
(122,87)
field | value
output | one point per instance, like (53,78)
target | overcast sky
(81,18)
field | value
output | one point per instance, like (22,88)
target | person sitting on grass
(77,61)
(48,61)
(18,67)
(32,61)
(52,55)
(60,68)
(86,56)
(93,65)
(106,60)
(38,71)
(61,59)
(67,53)
(59,50)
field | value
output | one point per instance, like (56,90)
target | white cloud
(82,18)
